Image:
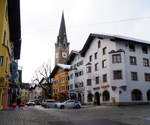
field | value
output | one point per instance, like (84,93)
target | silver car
(50,103)
(69,104)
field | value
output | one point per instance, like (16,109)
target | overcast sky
(41,20)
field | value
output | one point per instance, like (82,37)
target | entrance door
(97,98)
(79,97)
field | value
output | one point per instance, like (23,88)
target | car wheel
(62,107)
(78,106)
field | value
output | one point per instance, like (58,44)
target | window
(71,76)
(95,55)
(1,60)
(134,76)
(62,79)
(81,62)
(89,70)
(104,51)
(116,58)
(90,58)
(105,78)
(117,74)
(75,66)
(132,60)
(80,73)
(71,87)
(97,80)
(132,47)
(147,77)
(145,62)
(96,67)
(144,50)
(89,82)
(104,63)
(76,74)
(63,88)
(99,44)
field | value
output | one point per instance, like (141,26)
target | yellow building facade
(5,53)
(25,96)
(60,84)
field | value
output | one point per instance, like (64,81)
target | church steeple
(62,45)
(62,37)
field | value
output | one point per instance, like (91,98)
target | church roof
(62,36)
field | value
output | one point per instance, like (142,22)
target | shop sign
(105,86)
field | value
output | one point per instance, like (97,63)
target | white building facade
(36,93)
(116,70)
(76,76)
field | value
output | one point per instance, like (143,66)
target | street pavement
(88,115)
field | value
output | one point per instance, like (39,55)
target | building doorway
(136,95)
(148,95)
(106,96)
(79,97)
(97,98)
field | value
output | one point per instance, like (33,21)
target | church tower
(62,45)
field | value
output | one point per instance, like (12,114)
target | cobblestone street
(100,115)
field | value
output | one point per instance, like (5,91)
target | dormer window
(132,47)
(144,50)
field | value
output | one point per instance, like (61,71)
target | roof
(72,56)
(62,66)
(15,25)
(120,38)
(62,37)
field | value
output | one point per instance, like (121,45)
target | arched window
(90,97)
(136,95)
(148,95)
(106,96)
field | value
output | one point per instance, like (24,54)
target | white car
(69,104)
(49,103)
(30,102)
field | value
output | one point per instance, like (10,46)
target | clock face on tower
(64,54)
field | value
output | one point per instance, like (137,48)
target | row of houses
(10,45)
(109,69)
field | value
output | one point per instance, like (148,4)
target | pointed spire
(62,37)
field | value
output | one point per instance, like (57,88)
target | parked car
(69,104)
(31,102)
(50,103)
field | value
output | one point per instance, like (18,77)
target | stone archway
(79,97)
(136,95)
(90,97)
(97,98)
(106,96)
(148,95)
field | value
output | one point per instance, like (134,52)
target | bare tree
(42,76)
